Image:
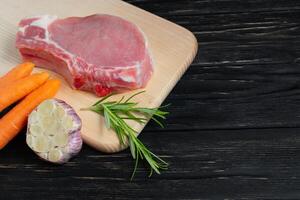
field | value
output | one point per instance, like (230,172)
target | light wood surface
(172,46)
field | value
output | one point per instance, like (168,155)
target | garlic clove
(61,140)
(68,123)
(29,140)
(55,155)
(34,117)
(35,129)
(45,107)
(46,121)
(59,113)
(40,143)
(53,129)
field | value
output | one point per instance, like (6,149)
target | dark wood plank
(208,164)
(233,131)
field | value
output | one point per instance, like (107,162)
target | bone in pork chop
(98,53)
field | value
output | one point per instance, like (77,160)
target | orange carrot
(18,72)
(20,88)
(13,122)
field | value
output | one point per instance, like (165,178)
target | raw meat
(98,53)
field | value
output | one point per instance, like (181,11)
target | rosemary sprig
(117,112)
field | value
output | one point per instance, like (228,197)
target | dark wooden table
(234,127)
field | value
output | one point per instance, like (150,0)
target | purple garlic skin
(53,131)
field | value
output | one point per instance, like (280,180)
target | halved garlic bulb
(53,131)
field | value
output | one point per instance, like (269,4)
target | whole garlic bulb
(53,131)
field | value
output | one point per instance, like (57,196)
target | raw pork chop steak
(98,53)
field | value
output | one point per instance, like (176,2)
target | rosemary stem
(116,114)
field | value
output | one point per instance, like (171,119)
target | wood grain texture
(173,48)
(233,132)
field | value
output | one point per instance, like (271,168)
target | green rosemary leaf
(158,122)
(135,166)
(103,99)
(134,96)
(123,106)
(137,119)
(132,148)
(120,101)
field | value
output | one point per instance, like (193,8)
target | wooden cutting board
(172,46)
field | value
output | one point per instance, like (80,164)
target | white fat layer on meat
(138,73)
(138,64)
(43,22)
(128,79)
(22,29)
